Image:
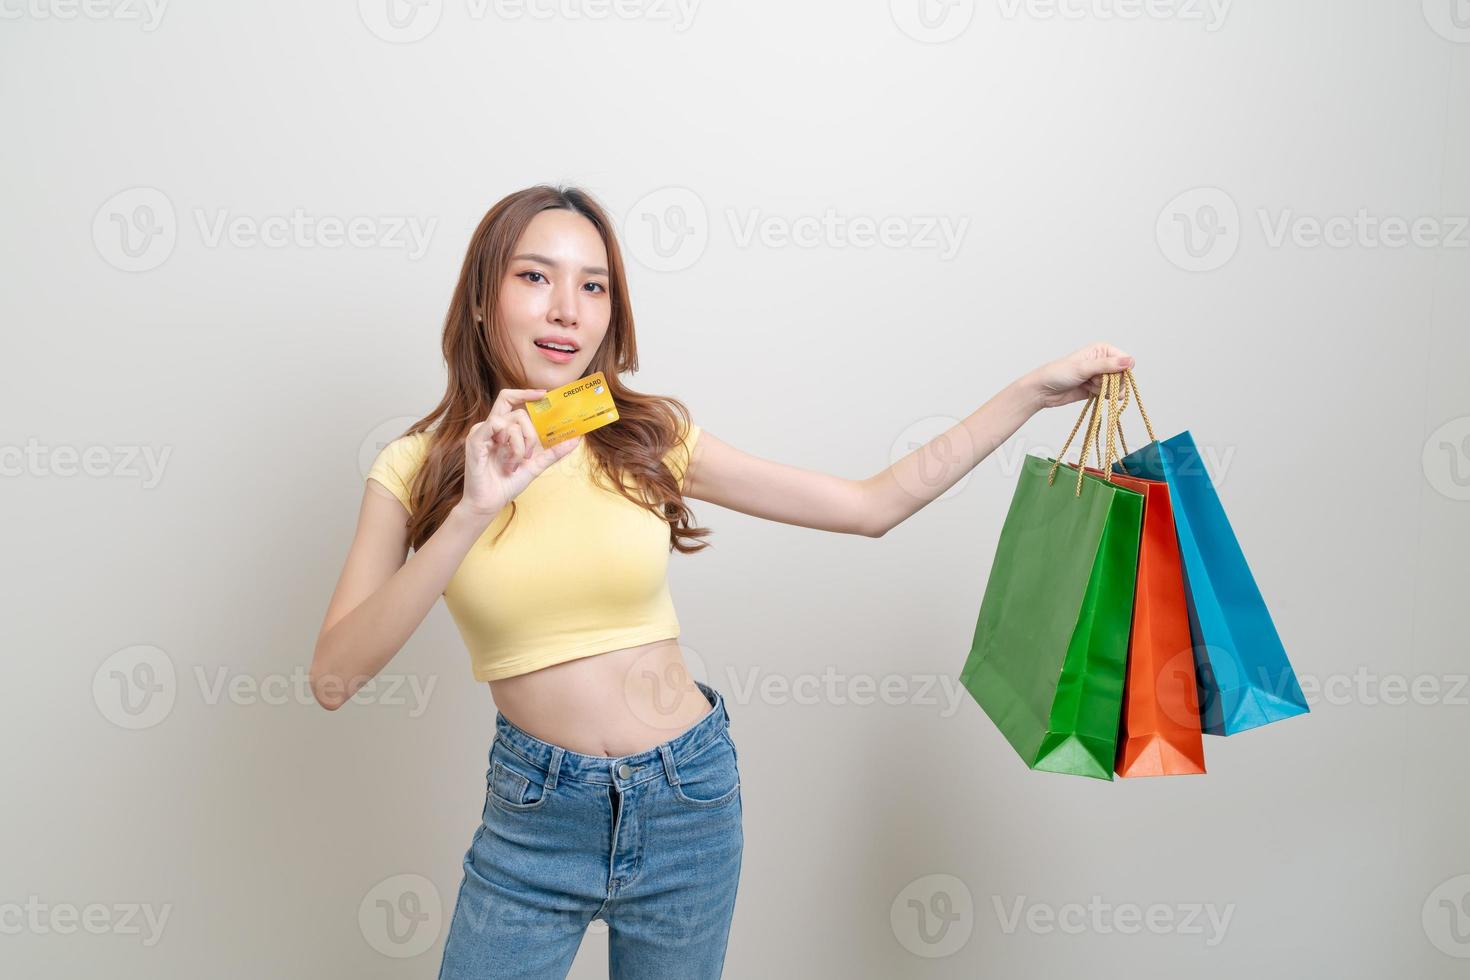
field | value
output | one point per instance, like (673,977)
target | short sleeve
(397,463)
(679,457)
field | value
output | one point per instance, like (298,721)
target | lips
(560,341)
(556,356)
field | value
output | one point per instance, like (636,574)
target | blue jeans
(650,843)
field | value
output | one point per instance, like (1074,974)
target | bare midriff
(609,704)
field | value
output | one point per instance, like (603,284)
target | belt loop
(669,769)
(554,767)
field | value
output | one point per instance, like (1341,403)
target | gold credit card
(572,410)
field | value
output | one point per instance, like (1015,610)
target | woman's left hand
(1076,376)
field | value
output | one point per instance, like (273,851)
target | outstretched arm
(721,474)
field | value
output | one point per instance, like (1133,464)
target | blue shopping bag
(1244,677)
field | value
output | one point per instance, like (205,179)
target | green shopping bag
(1051,644)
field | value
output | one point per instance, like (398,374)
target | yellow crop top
(581,569)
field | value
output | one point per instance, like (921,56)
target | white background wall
(161,751)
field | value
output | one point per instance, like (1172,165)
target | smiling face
(555,294)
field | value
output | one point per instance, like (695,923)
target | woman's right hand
(502,454)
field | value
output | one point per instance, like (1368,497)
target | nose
(563,308)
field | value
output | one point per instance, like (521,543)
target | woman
(613,790)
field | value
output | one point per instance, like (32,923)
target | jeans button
(624,771)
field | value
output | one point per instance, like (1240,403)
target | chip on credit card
(572,410)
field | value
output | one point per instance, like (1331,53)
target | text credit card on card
(572,410)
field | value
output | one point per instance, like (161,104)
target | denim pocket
(515,784)
(711,777)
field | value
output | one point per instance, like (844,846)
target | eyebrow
(595,270)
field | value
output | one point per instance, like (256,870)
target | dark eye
(532,272)
(599,287)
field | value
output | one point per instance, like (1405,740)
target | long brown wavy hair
(481,363)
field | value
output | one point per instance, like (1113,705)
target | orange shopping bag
(1160,724)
